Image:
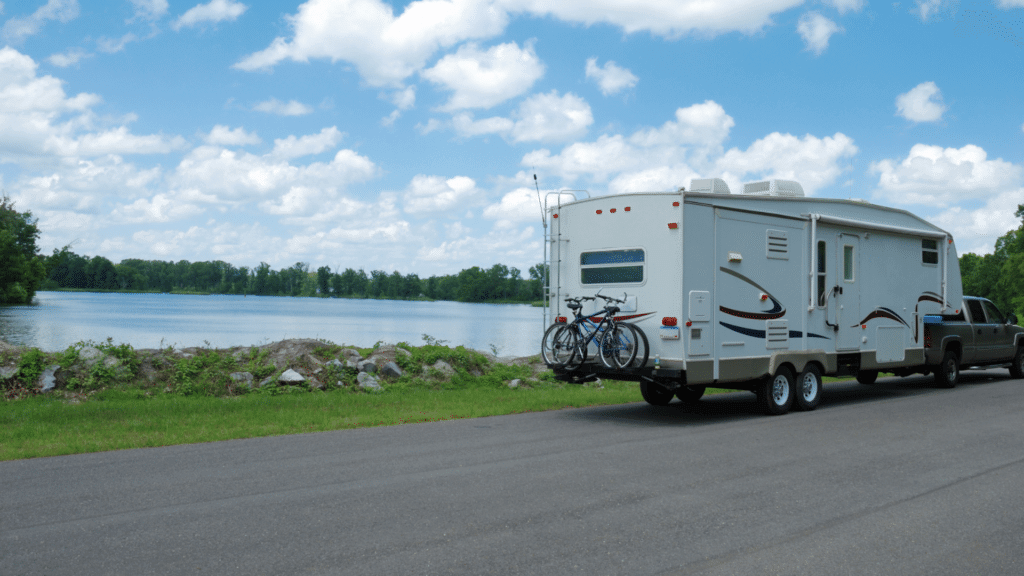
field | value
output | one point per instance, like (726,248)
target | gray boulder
(366,366)
(8,372)
(48,379)
(242,378)
(444,368)
(515,383)
(265,381)
(351,354)
(90,356)
(291,377)
(336,364)
(367,382)
(391,369)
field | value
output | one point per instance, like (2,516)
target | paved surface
(896,478)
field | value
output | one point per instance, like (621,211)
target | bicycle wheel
(558,345)
(642,347)
(579,351)
(618,347)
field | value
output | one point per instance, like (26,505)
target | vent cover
(778,245)
(777,334)
(774,188)
(709,186)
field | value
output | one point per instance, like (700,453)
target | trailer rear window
(929,251)
(612,267)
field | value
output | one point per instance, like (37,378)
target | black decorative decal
(881,313)
(777,311)
(761,333)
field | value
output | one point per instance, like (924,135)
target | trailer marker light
(863,326)
(626,208)
(675,203)
(689,323)
(612,210)
(673,225)
(561,320)
(598,211)
(669,321)
(554,216)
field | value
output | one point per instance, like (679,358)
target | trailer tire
(948,372)
(655,394)
(690,394)
(1017,368)
(776,392)
(867,377)
(808,388)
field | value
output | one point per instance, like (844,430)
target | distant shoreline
(534,303)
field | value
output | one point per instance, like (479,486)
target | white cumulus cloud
(923,103)
(17,29)
(816,30)
(293,147)
(610,78)
(812,161)
(539,118)
(149,10)
(933,175)
(482,79)
(436,194)
(210,13)
(290,108)
(844,6)
(224,136)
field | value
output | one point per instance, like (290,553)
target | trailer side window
(848,263)
(612,267)
(929,251)
(821,273)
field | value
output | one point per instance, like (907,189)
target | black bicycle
(619,345)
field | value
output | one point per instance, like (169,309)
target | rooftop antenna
(540,204)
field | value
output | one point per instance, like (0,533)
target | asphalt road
(896,478)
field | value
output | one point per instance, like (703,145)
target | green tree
(323,281)
(22,269)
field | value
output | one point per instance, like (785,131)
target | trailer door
(848,292)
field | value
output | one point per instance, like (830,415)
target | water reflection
(58,319)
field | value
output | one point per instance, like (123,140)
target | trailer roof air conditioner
(774,188)
(709,186)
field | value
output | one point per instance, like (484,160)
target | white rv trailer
(766,291)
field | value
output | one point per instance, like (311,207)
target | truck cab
(976,335)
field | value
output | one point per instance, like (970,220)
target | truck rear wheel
(948,372)
(1017,368)
(867,376)
(689,394)
(776,392)
(808,388)
(655,394)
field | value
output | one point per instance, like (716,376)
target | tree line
(499,283)
(999,276)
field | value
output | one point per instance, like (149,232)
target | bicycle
(565,346)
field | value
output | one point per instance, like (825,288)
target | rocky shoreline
(288,365)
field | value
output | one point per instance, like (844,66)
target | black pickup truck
(978,335)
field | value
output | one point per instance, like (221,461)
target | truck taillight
(927,337)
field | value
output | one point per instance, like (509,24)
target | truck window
(821,273)
(612,267)
(977,314)
(929,251)
(993,313)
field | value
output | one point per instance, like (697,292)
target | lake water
(59,319)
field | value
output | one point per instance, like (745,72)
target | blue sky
(404,135)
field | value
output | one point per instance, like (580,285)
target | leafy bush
(31,365)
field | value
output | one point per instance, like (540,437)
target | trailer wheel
(1017,368)
(776,392)
(808,388)
(867,376)
(655,394)
(690,394)
(948,372)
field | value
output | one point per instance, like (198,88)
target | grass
(122,419)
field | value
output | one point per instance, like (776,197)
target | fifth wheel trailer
(766,290)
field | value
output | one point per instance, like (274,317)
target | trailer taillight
(669,321)
(927,336)
(561,319)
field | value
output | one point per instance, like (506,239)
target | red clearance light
(598,211)
(612,210)
(675,203)
(673,225)
(669,321)
(561,320)
(626,208)
(688,323)
(555,216)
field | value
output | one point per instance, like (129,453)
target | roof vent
(709,186)
(774,188)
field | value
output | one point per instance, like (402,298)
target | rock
(48,379)
(242,378)
(444,368)
(515,383)
(291,377)
(391,369)
(265,381)
(351,354)
(366,366)
(336,364)
(8,372)
(90,355)
(339,384)
(315,384)
(351,364)
(367,381)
